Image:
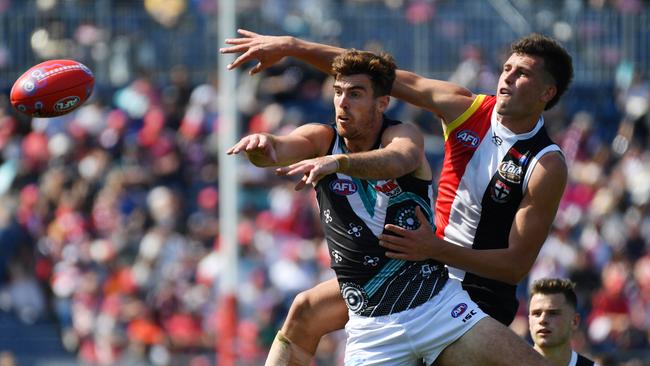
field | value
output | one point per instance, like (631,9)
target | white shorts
(409,336)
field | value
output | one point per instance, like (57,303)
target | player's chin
(502,105)
(343,131)
(544,339)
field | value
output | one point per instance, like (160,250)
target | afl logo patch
(343,187)
(458,310)
(468,138)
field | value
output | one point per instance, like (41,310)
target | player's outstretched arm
(268,50)
(264,149)
(403,153)
(527,235)
(445,99)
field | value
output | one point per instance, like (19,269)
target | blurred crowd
(109,220)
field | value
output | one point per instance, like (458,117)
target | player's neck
(365,141)
(519,125)
(558,356)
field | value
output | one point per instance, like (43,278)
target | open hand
(258,148)
(411,245)
(268,50)
(312,170)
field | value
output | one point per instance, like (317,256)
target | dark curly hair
(557,61)
(379,67)
(548,286)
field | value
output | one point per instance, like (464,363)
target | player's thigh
(490,343)
(316,312)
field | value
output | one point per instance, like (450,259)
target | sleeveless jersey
(484,176)
(353,213)
(580,360)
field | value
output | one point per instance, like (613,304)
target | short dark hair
(557,61)
(379,67)
(548,286)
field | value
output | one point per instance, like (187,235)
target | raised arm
(268,50)
(402,153)
(264,149)
(447,100)
(527,235)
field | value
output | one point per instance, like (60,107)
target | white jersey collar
(505,133)
(574,358)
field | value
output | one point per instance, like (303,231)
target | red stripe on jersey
(460,146)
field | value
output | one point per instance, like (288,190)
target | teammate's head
(556,61)
(380,68)
(552,316)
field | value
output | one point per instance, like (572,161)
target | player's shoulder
(399,127)
(554,163)
(320,135)
(549,177)
(315,131)
(315,127)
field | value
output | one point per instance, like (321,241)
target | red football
(52,88)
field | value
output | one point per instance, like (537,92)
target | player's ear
(549,93)
(575,321)
(382,102)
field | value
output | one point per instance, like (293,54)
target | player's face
(358,111)
(524,86)
(551,320)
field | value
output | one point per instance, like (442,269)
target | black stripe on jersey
(584,361)
(500,203)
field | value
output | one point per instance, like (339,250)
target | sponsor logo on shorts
(66,103)
(458,310)
(343,187)
(468,138)
(469,315)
